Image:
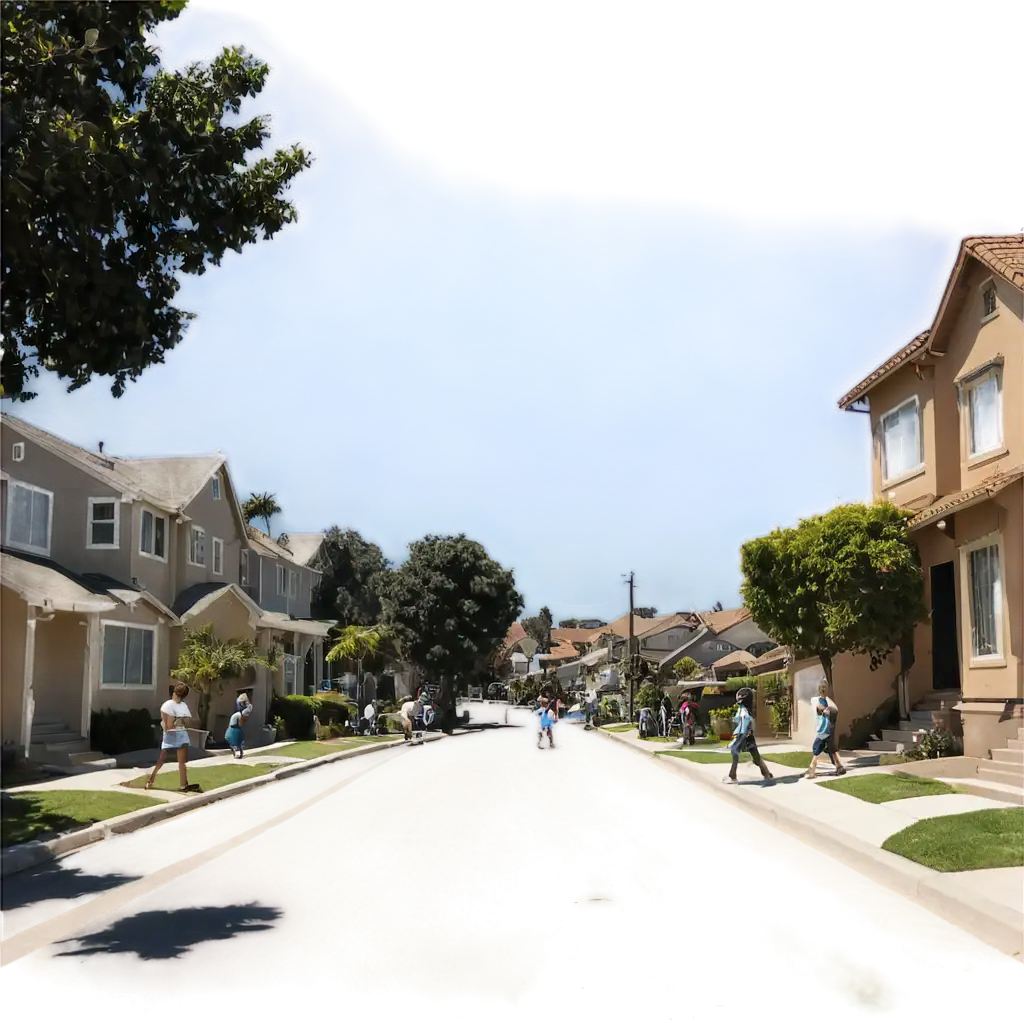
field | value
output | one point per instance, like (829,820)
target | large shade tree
(451,606)
(352,568)
(539,627)
(848,581)
(118,177)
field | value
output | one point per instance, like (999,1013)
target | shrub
(934,743)
(118,732)
(297,712)
(688,668)
(779,713)
(648,696)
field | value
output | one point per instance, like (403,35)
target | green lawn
(882,787)
(625,727)
(792,759)
(309,749)
(208,778)
(31,815)
(964,842)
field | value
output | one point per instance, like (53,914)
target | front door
(945,659)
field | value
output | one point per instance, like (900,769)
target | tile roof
(666,622)
(266,545)
(620,627)
(304,546)
(563,644)
(964,499)
(719,622)
(735,659)
(1003,254)
(514,635)
(776,654)
(42,582)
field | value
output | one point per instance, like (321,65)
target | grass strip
(34,815)
(992,838)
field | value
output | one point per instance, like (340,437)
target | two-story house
(947,427)
(711,636)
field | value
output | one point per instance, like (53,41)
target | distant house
(719,634)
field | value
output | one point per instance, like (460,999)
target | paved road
(484,879)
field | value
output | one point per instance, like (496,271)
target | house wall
(668,641)
(744,633)
(218,519)
(154,574)
(13,615)
(274,602)
(72,488)
(121,699)
(60,668)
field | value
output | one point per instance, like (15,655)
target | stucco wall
(217,518)
(13,613)
(60,668)
(122,699)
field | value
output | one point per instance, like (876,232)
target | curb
(32,854)
(996,925)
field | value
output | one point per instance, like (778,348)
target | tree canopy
(647,612)
(450,605)
(847,581)
(352,568)
(539,627)
(118,176)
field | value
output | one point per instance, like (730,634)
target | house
(105,561)
(946,414)
(718,634)
(566,646)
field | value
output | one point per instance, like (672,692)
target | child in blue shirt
(822,734)
(743,737)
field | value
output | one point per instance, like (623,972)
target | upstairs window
(988,300)
(197,546)
(218,557)
(293,585)
(153,535)
(29,517)
(984,412)
(901,441)
(215,488)
(282,581)
(18,451)
(103,523)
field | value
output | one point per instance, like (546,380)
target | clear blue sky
(587,378)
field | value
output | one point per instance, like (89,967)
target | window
(243,568)
(988,300)
(128,655)
(104,523)
(290,668)
(282,584)
(18,451)
(197,546)
(984,412)
(901,441)
(218,557)
(153,535)
(293,585)
(215,487)
(29,517)
(986,602)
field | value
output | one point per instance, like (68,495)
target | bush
(935,743)
(648,696)
(118,732)
(297,712)
(688,668)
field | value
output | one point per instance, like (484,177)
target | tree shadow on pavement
(168,934)
(54,882)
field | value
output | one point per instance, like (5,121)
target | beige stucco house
(105,562)
(947,425)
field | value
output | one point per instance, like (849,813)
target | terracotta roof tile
(1002,253)
(964,499)
(735,659)
(776,654)
(891,364)
(719,622)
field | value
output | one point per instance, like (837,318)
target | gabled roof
(777,655)
(1002,254)
(719,622)
(735,659)
(620,627)
(305,546)
(194,600)
(266,545)
(688,620)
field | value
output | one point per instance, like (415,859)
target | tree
(261,506)
(569,624)
(450,605)
(649,696)
(687,668)
(847,581)
(539,627)
(646,612)
(118,177)
(204,662)
(352,568)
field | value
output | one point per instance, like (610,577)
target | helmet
(745,696)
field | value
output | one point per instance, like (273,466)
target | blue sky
(608,368)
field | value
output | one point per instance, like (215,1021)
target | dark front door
(945,659)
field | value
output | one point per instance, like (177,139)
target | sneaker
(730,781)
(840,771)
(769,780)
(808,775)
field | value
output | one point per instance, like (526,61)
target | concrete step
(47,728)
(58,753)
(1015,744)
(90,757)
(886,746)
(939,699)
(977,786)
(1008,756)
(49,738)
(921,719)
(81,769)
(909,738)
(1007,774)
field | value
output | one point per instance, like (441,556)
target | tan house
(105,560)
(947,428)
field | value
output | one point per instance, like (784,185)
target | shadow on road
(54,882)
(167,934)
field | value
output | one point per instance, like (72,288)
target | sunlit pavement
(480,878)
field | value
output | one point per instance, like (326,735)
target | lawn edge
(995,925)
(23,856)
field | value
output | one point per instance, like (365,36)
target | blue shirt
(824,721)
(742,722)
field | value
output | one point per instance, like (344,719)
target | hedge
(297,712)
(118,732)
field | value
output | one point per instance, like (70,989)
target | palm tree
(261,506)
(204,662)
(356,643)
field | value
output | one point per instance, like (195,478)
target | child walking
(743,737)
(235,736)
(822,735)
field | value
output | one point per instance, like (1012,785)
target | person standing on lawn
(743,737)
(174,717)
(688,717)
(235,736)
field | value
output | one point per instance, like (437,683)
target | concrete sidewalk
(989,903)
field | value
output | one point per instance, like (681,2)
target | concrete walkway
(839,812)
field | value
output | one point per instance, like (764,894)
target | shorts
(821,745)
(175,739)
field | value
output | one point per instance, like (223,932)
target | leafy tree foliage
(648,696)
(539,627)
(450,605)
(847,581)
(569,624)
(687,668)
(352,568)
(261,506)
(117,177)
(647,612)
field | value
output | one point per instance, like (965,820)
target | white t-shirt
(178,710)
(369,711)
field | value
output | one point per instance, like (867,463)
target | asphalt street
(480,878)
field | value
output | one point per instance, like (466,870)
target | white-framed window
(197,546)
(293,585)
(291,665)
(989,302)
(29,522)
(282,581)
(901,440)
(129,656)
(985,580)
(18,451)
(243,568)
(153,535)
(983,401)
(218,556)
(103,529)
(215,488)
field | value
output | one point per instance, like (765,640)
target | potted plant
(205,663)
(721,719)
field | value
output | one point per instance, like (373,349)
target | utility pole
(631,582)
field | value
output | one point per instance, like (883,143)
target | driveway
(482,878)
